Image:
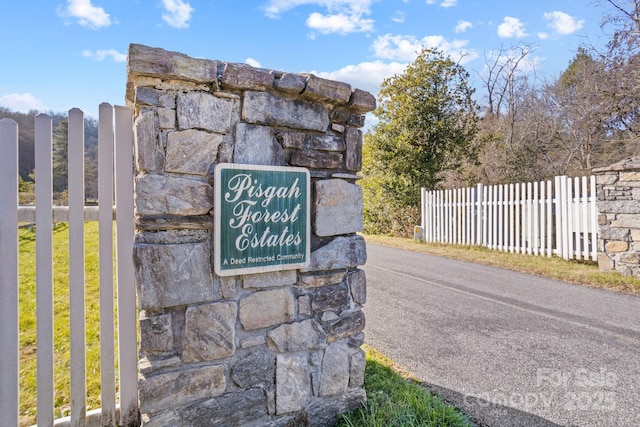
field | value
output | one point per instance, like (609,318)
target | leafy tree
(427,122)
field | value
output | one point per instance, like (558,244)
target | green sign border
(265,260)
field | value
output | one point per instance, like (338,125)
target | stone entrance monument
(275,342)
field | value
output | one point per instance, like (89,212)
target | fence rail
(44,215)
(556,217)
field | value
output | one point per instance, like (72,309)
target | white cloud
(86,13)
(177,13)
(22,102)
(444,3)
(367,76)
(398,17)
(463,26)
(563,23)
(339,23)
(253,62)
(407,47)
(101,55)
(511,27)
(342,16)
(543,36)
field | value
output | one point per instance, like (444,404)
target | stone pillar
(619,217)
(277,348)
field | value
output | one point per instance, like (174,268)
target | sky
(61,54)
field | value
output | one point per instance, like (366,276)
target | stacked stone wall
(619,217)
(270,349)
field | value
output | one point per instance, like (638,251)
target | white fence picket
(76,267)
(44,269)
(518,218)
(105,231)
(9,324)
(127,319)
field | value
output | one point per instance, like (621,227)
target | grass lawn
(578,272)
(27,295)
(395,399)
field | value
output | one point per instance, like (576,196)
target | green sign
(261,219)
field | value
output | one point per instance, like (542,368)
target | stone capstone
(148,61)
(266,108)
(291,83)
(341,252)
(335,370)
(174,389)
(191,151)
(338,207)
(319,89)
(170,195)
(256,145)
(232,409)
(299,336)
(257,369)
(267,308)
(293,383)
(362,102)
(171,275)
(242,76)
(201,110)
(209,332)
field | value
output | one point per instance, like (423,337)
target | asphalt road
(510,349)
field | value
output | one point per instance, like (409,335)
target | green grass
(28,343)
(395,399)
(578,272)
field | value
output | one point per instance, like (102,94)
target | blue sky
(63,54)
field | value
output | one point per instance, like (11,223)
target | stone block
(257,369)
(304,305)
(267,308)
(316,159)
(159,63)
(166,118)
(170,275)
(253,341)
(357,363)
(200,110)
(242,76)
(319,89)
(174,389)
(325,143)
(616,246)
(270,280)
(163,419)
(292,84)
(341,252)
(353,138)
(626,221)
(606,179)
(362,102)
(156,335)
(227,286)
(300,336)
(209,332)
(149,153)
(619,206)
(269,109)
(357,282)
(349,325)
(232,409)
(323,412)
(629,176)
(317,280)
(635,235)
(335,370)
(191,151)
(332,297)
(293,383)
(256,145)
(630,258)
(338,207)
(171,195)
(356,120)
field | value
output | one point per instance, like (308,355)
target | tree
(427,123)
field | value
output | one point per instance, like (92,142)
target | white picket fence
(556,217)
(115,135)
